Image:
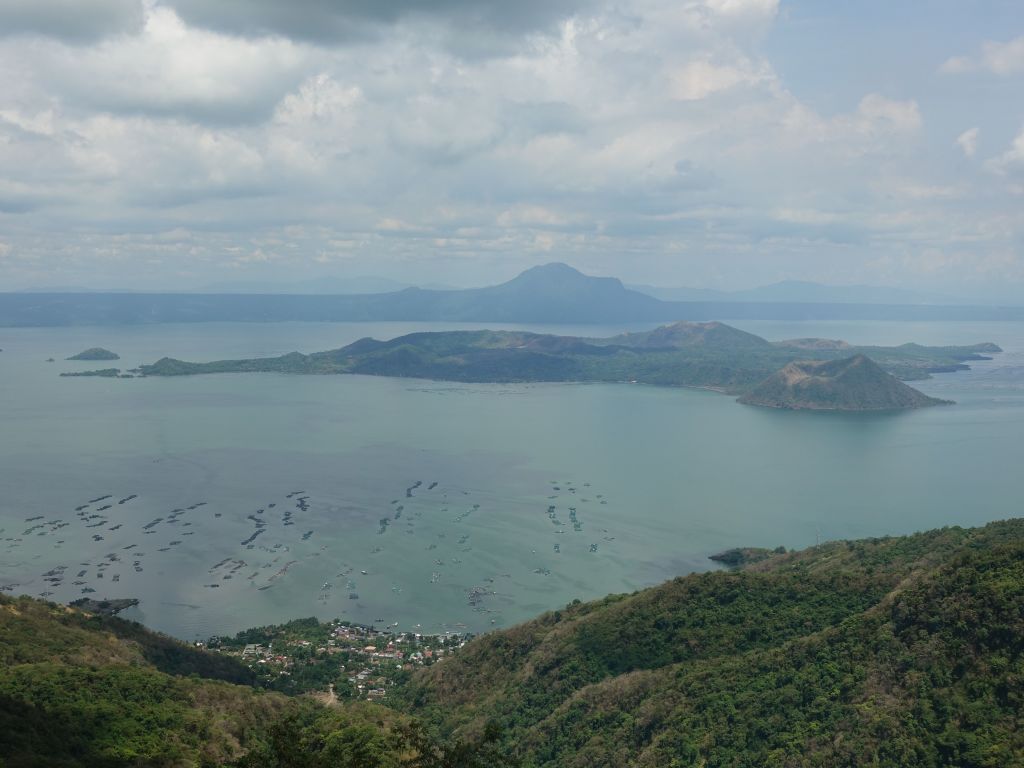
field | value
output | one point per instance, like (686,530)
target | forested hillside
(84,691)
(901,651)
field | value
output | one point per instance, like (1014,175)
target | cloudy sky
(719,143)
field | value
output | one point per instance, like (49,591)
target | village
(336,659)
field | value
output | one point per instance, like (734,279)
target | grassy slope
(902,651)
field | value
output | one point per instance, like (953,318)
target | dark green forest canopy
(80,691)
(900,651)
(895,651)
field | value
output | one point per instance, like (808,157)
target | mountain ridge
(551,293)
(803,291)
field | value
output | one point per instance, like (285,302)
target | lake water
(658,478)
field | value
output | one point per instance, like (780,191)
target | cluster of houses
(387,651)
(374,657)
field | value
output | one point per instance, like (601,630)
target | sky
(175,144)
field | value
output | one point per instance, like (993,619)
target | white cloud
(531,216)
(395,225)
(315,124)
(654,129)
(699,79)
(875,113)
(170,69)
(995,57)
(806,216)
(956,65)
(763,8)
(876,125)
(916,191)
(1010,161)
(968,141)
(41,123)
(1004,58)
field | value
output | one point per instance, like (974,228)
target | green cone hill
(95,353)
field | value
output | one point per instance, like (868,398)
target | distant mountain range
(332,286)
(799,291)
(328,285)
(552,293)
(786,291)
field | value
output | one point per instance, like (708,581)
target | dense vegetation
(904,651)
(889,652)
(80,690)
(711,355)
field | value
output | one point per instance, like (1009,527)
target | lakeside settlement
(339,658)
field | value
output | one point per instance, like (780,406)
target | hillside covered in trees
(889,652)
(897,651)
(78,690)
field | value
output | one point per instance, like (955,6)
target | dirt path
(328,697)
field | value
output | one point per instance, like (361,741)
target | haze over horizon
(724,144)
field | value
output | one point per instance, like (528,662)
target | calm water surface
(644,482)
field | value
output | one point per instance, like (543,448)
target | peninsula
(104,607)
(708,355)
(109,373)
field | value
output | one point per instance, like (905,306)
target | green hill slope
(83,691)
(851,384)
(96,353)
(903,651)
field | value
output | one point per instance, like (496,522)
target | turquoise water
(658,478)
